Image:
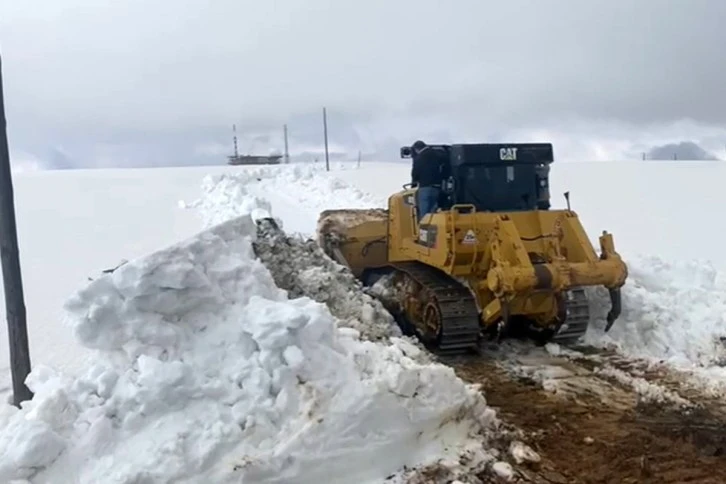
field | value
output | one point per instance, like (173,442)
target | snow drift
(207,372)
(298,194)
(672,311)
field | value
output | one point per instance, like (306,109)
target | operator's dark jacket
(427,168)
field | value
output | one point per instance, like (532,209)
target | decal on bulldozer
(508,154)
(469,238)
(427,235)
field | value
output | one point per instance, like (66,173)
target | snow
(189,362)
(203,369)
(648,391)
(672,311)
(303,272)
(523,453)
(72,224)
(503,470)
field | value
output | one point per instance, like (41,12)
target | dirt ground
(594,429)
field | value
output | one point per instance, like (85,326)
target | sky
(94,83)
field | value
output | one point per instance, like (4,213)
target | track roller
(439,310)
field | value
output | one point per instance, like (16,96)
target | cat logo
(508,154)
(469,238)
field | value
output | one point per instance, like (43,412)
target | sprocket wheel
(432,322)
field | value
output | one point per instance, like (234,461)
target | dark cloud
(161,82)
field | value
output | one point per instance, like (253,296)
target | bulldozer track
(577,318)
(460,327)
(460,323)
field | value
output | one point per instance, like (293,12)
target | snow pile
(302,268)
(305,186)
(206,372)
(671,311)
(299,266)
(226,196)
(315,189)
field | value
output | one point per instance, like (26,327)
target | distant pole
(287,151)
(325,132)
(358,158)
(234,138)
(12,279)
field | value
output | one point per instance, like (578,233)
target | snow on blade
(206,373)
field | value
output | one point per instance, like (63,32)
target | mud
(589,428)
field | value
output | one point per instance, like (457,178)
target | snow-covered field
(189,364)
(74,224)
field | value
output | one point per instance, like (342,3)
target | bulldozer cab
(494,177)
(499,177)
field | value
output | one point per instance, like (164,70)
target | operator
(426,176)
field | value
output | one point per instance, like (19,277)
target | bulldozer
(493,260)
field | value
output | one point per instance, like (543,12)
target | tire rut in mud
(592,430)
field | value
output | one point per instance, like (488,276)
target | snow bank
(315,189)
(296,264)
(671,311)
(302,268)
(305,189)
(206,372)
(226,196)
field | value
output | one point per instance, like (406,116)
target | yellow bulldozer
(494,259)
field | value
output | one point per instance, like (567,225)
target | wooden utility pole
(287,151)
(325,132)
(12,279)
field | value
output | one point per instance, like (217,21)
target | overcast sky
(93,82)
